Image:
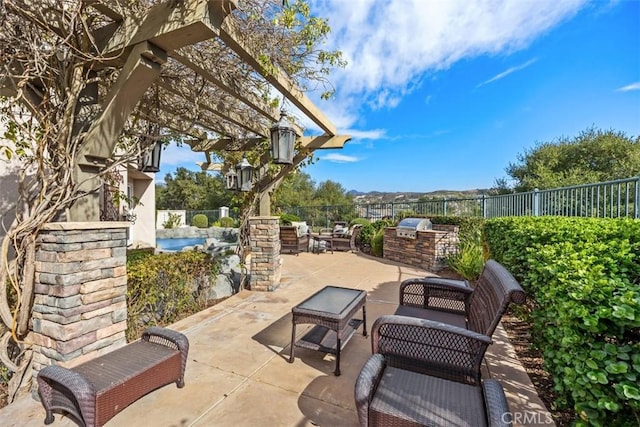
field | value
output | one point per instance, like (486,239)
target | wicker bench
(94,392)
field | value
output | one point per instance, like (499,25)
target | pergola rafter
(190,66)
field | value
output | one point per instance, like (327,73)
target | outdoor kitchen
(418,242)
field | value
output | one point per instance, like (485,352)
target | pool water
(179,243)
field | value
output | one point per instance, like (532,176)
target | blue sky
(443,94)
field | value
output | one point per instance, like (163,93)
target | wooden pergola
(163,72)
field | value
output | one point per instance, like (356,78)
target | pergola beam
(136,76)
(323,141)
(229,35)
(171,25)
(259,106)
(230,116)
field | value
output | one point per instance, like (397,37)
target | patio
(238,372)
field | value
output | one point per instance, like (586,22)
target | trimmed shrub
(582,276)
(200,221)
(227,222)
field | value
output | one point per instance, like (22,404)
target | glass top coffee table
(331,309)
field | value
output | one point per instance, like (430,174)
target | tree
(593,156)
(331,193)
(58,80)
(191,190)
(297,189)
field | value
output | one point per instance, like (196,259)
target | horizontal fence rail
(612,199)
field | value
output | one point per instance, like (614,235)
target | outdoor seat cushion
(435,315)
(409,398)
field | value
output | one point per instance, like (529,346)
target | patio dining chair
(455,302)
(425,373)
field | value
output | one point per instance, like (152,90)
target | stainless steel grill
(408,228)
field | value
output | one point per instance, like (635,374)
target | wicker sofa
(95,391)
(455,302)
(425,373)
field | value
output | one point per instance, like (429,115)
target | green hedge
(583,277)
(163,288)
(227,222)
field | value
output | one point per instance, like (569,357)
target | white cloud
(392,45)
(339,158)
(504,74)
(629,87)
(366,134)
(173,155)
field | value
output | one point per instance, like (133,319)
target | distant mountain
(386,197)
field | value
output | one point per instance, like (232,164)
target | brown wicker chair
(454,302)
(425,373)
(347,243)
(291,241)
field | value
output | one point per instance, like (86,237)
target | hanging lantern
(149,161)
(244,172)
(283,140)
(231,180)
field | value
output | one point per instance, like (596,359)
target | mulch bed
(531,359)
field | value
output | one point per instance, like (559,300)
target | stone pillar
(266,263)
(80,308)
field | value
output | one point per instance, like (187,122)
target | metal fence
(612,199)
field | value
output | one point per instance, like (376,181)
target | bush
(227,222)
(469,225)
(470,258)
(165,287)
(200,221)
(367,232)
(173,220)
(286,219)
(582,275)
(377,243)
(361,221)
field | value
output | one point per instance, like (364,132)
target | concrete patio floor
(238,372)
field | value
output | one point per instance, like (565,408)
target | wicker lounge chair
(348,242)
(292,241)
(424,373)
(454,302)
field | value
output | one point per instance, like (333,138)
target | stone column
(266,263)
(80,308)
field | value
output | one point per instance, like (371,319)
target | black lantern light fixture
(244,173)
(149,161)
(283,139)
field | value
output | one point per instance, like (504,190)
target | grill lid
(409,227)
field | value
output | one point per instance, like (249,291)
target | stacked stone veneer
(266,262)
(428,250)
(80,308)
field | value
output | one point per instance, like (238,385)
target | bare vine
(50,56)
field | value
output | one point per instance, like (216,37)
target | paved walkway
(238,372)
